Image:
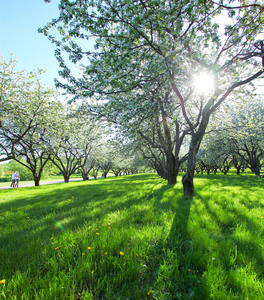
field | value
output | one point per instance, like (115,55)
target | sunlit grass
(134,237)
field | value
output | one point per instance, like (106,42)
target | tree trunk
(36,180)
(255,166)
(172,169)
(257,172)
(172,178)
(187,179)
(66,178)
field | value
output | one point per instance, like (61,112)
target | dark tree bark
(251,155)
(187,179)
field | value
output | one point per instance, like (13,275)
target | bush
(24,173)
(4,179)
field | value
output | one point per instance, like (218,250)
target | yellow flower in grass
(57,248)
(2,281)
(97,233)
(105,253)
(121,253)
(89,248)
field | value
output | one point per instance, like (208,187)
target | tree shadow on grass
(244,181)
(178,274)
(52,213)
(175,264)
(197,264)
(142,207)
(237,249)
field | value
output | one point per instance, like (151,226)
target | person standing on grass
(17,179)
(13,179)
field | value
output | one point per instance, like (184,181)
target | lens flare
(204,83)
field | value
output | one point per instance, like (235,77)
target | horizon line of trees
(37,129)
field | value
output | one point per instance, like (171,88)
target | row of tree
(235,138)
(140,77)
(146,58)
(37,128)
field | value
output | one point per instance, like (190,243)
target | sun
(204,83)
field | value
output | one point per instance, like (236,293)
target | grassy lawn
(134,237)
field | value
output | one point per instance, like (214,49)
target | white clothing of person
(17,179)
(13,180)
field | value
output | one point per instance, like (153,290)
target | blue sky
(19,23)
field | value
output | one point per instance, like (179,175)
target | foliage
(24,173)
(239,138)
(1,170)
(29,116)
(134,237)
(74,142)
(146,56)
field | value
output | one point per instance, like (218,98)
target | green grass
(134,237)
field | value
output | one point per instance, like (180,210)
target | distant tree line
(238,142)
(38,130)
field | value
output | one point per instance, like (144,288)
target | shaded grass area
(134,237)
